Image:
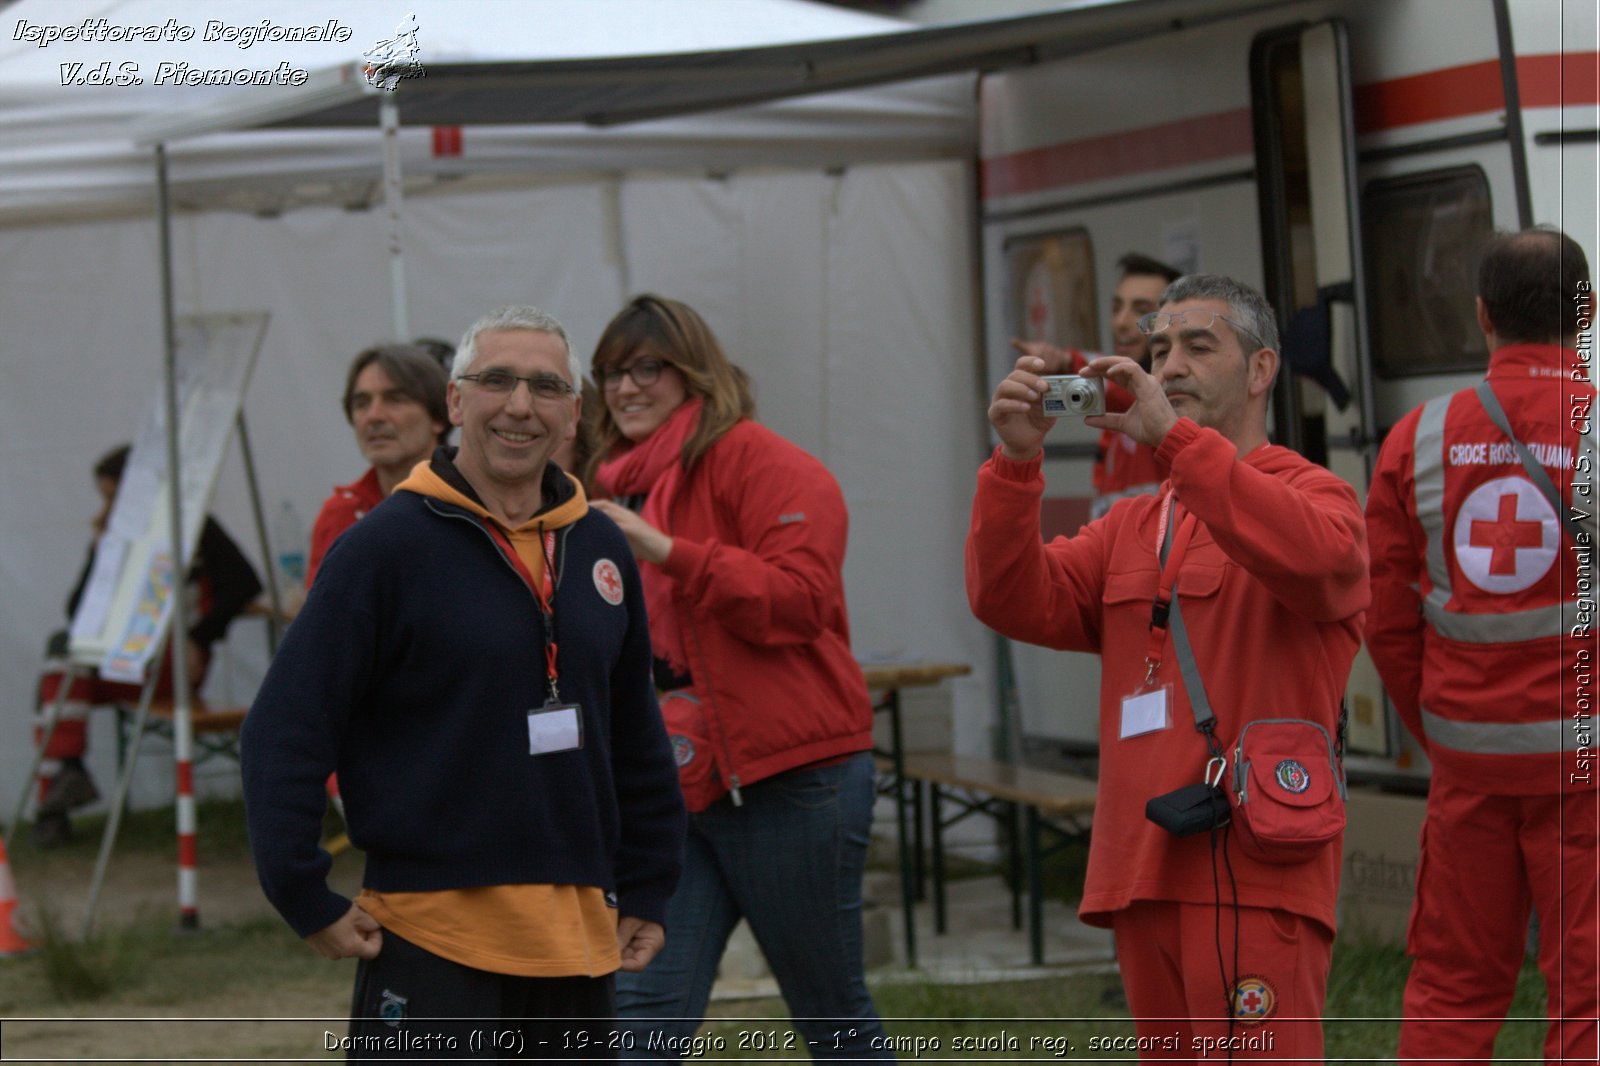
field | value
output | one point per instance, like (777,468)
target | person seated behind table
(223,581)
(394,400)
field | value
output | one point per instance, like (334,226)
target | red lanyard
(544,595)
(1162,607)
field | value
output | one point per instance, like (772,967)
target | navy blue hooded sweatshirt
(411,670)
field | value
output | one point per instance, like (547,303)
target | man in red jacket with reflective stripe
(1271,584)
(1482,626)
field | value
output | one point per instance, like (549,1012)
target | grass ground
(251,974)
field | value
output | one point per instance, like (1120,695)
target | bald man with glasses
(1267,555)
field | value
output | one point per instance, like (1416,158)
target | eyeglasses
(1200,318)
(504,382)
(644,373)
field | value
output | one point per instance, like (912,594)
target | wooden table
(889,678)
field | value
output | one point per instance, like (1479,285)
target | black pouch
(1194,808)
(1191,809)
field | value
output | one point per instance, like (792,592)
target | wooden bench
(216,732)
(1044,800)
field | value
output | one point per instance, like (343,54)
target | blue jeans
(790,862)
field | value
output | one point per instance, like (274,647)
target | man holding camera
(1266,552)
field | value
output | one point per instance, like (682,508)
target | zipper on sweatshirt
(555,578)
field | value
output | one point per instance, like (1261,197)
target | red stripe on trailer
(1182,143)
(1453,92)
(1547,80)
(1559,80)
(188,850)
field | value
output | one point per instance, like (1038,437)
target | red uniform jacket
(1272,589)
(339,512)
(1482,621)
(758,530)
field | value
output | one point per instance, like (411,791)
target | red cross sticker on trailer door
(1506,535)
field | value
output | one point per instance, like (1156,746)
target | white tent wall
(905,414)
(846,295)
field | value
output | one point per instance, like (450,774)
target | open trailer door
(1304,117)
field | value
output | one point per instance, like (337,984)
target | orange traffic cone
(11,942)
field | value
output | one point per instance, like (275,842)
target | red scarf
(654,467)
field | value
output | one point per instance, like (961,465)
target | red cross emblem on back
(1505,535)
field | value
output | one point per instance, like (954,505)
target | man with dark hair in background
(1478,627)
(394,399)
(1122,466)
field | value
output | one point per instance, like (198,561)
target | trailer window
(1050,278)
(1424,234)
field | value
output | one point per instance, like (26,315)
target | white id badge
(555,727)
(1146,711)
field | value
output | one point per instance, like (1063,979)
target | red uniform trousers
(1172,972)
(1485,861)
(70,739)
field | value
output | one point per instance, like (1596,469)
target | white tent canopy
(827,238)
(846,293)
(564,64)
(70,150)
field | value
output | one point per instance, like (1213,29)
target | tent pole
(182,720)
(389,115)
(275,622)
(119,801)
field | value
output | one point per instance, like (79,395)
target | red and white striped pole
(178,634)
(188,838)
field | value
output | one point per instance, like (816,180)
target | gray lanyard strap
(1536,473)
(1204,720)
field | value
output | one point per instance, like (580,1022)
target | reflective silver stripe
(1428,485)
(1427,475)
(1101,504)
(1508,628)
(1503,738)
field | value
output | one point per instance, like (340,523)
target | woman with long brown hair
(741,537)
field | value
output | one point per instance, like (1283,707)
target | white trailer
(1343,155)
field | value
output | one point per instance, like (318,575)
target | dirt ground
(278,1019)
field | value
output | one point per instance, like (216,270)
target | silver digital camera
(1071,394)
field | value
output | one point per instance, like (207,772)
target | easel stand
(183,730)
